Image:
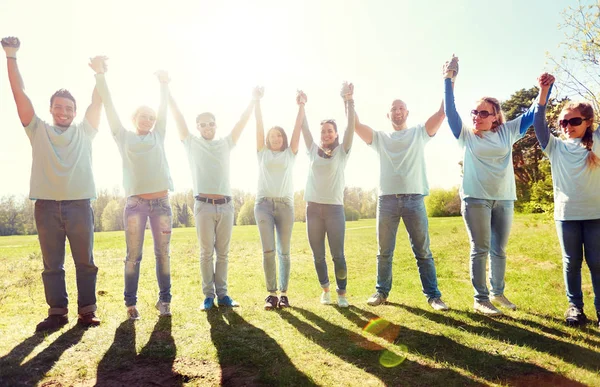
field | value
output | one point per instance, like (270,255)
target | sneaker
(88,320)
(574,316)
(133,313)
(163,307)
(227,301)
(487,308)
(326,298)
(503,301)
(271,302)
(377,299)
(209,302)
(437,304)
(284,302)
(52,323)
(343,301)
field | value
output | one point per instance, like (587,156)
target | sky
(217,51)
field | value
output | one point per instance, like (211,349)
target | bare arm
(236,132)
(435,121)
(179,120)
(295,140)
(260,128)
(365,132)
(301,99)
(161,117)
(24,107)
(347,93)
(94,111)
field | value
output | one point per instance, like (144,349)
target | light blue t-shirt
(402,160)
(145,167)
(275,174)
(209,164)
(326,182)
(576,186)
(62,161)
(487,162)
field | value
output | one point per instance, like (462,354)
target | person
(324,196)
(402,188)
(147,181)
(209,159)
(488,188)
(575,164)
(274,207)
(62,185)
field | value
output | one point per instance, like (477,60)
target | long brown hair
(285,140)
(497,111)
(587,111)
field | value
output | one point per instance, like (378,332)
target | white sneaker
(437,304)
(133,313)
(376,299)
(503,301)
(343,301)
(163,307)
(486,307)
(326,298)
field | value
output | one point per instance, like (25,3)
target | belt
(223,200)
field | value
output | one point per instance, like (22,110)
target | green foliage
(442,202)
(351,214)
(299,207)
(246,214)
(112,216)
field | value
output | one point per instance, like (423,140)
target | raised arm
(435,121)
(301,99)
(25,110)
(450,70)
(260,127)
(236,132)
(98,64)
(161,117)
(347,94)
(542,132)
(365,132)
(179,120)
(295,140)
(527,118)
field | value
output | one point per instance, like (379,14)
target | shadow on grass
(358,350)
(591,328)
(13,373)
(501,329)
(122,366)
(248,356)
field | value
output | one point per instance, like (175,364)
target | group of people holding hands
(62,185)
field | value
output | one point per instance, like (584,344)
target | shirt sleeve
(32,128)
(454,120)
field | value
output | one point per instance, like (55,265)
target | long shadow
(122,366)
(248,356)
(591,328)
(34,370)
(365,354)
(514,335)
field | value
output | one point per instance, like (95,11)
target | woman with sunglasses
(488,189)
(575,161)
(147,182)
(274,208)
(324,196)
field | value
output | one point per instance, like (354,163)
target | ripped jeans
(136,214)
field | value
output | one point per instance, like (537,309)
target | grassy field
(402,343)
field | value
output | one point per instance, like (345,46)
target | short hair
(285,140)
(139,109)
(205,114)
(63,93)
(587,111)
(497,111)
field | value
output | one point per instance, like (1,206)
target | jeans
(576,238)
(136,214)
(275,214)
(214,224)
(411,209)
(488,225)
(56,221)
(330,220)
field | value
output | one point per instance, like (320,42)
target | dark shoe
(574,316)
(227,301)
(52,323)
(598,316)
(271,302)
(284,302)
(89,320)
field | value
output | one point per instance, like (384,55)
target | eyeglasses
(575,121)
(205,124)
(481,113)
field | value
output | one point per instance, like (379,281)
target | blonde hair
(497,112)
(587,111)
(138,110)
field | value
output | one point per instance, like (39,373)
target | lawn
(402,343)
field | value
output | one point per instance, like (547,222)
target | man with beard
(402,187)
(61,185)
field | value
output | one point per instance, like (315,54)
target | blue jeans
(411,209)
(214,225)
(136,214)
(330,220)
(56,221)
(275,214)
(577,237)
(488,225)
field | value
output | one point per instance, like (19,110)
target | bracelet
(349,102)
(11,57)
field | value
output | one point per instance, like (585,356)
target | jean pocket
(132,203)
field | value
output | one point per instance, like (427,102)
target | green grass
(309,344)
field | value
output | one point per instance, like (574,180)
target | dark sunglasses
(575,121)
(204,124)
(481,113)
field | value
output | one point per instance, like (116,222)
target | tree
(299,206)
(246,214)
(11,219)
(112,216)
(442,202)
